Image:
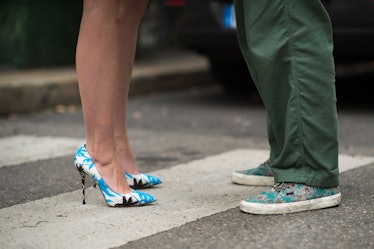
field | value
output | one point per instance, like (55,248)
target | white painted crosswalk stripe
(24,148)
(189,192)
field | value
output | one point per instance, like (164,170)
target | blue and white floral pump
(86,166)
(142,180)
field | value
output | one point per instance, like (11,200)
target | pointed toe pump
(142,180)
(85,166)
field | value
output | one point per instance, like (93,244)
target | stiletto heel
(83,179)
(86,166)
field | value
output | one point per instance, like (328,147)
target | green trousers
(287,45)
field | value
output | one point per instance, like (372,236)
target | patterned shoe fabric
(114,199)
(260,176)
(142,180)
(85,165)
(136,198)
(291,198)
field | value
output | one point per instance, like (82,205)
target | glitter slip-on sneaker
(142,180)
(260,176)
(286,198)
(86,166)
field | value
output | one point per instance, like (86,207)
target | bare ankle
(109,166)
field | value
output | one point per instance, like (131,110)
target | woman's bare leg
(101,70)
(127,54)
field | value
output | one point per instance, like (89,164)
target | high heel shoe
(142,180)
(86,166)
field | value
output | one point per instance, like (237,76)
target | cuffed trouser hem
(311,181)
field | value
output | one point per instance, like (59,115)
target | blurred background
(43,33)
(39,34)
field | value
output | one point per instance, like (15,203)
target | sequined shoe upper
(291,198)
(259,176)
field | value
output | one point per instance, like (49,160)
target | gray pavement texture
(32,90)
(351,225)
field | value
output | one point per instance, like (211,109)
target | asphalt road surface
(193,138)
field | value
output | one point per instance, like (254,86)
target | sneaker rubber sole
(292,207)
(252,180)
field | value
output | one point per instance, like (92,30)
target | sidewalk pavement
(27,91)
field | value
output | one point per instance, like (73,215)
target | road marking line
(189,192)
(23,148)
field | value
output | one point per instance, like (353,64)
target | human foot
(128,197)
(134,178)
